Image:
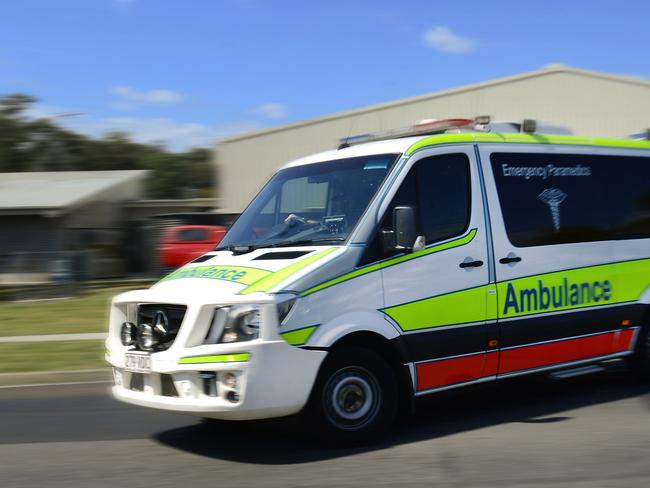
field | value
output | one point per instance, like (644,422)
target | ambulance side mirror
(403,235)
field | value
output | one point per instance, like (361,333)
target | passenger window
(439,188)
(629,204)
(562,198)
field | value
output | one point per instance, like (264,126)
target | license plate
(137,363)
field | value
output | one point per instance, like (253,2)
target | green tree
(28,144)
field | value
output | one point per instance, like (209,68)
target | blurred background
(133,132)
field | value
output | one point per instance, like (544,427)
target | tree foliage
(28,144)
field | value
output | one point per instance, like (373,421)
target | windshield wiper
(246,248)
(300,242)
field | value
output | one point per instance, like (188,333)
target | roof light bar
(482,123)
(424,127)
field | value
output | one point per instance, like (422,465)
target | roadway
(588,431)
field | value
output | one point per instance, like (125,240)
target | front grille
(165,322)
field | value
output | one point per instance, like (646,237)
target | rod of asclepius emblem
(553,197)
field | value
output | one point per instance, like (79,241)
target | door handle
(510,259)
(471,264)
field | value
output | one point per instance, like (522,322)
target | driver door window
(439,188)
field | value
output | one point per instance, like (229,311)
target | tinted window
(555,199)
(443,196)
(629,202)
(439,188)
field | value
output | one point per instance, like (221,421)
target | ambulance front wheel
(355,398)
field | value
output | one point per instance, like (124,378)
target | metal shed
(591,103)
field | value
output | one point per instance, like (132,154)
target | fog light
(230,380)
(127,334)
(233,396)
(185,388)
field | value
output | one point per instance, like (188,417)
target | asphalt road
(589,431)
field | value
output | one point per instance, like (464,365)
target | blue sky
(187,71)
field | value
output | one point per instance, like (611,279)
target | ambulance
(399,265)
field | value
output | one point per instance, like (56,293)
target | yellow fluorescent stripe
(461,241)
(591,286)
(455,308)
(236,274)
(527,139)
(220,358)
(270,281)
(608,284)
(298,337)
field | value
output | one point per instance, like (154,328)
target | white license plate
(137,363)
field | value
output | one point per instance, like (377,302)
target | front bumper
(274,381)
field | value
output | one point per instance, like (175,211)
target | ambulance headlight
(242,323)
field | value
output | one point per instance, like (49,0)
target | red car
(183,243)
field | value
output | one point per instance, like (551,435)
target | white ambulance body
(362,277)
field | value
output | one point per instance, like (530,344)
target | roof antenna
(344,141)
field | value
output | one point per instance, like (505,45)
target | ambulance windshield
(309,204)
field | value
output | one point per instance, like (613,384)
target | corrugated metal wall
(589,103)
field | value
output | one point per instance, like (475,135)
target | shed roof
(58,190)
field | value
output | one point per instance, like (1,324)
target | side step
(571,373)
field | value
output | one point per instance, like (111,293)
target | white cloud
(130,98)
(443,39)
(272,110)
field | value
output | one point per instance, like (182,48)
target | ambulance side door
(549,217)
(438,296)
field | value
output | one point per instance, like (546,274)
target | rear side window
(560,198)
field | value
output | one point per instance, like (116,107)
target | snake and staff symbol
(553,197)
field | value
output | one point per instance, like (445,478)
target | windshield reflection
(308,204)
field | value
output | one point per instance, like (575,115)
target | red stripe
(529,357)
(491,366)
(449,371)
(623,340)
(445,372)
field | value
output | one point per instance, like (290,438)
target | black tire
(354,399)
(640,360)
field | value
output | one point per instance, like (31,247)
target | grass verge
(51,356)
(88,313)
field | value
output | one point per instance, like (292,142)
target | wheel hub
(352,398)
